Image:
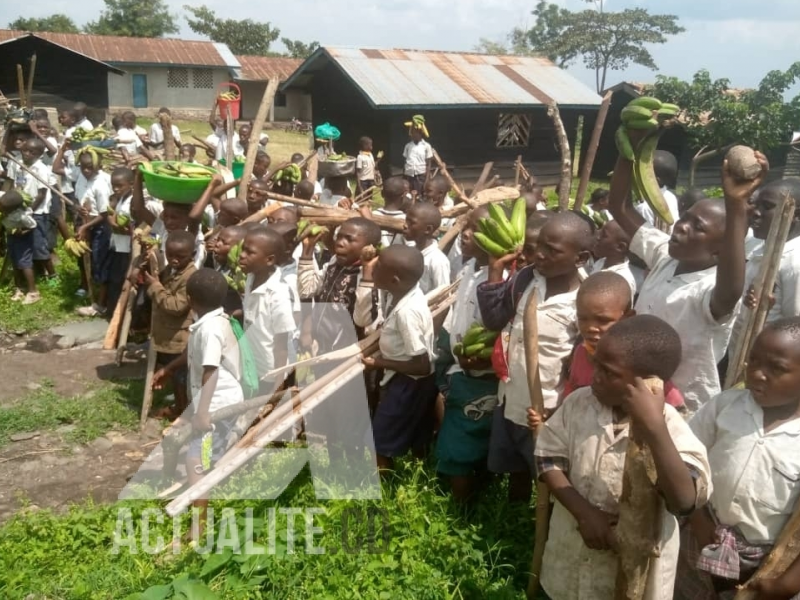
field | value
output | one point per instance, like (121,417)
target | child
(437,192)
(227,239)
(19,223)
(393,198)
(243,141)
(169,331)
(469,385)
(128,137)
(336,192)
(214,369)
(257,191)
(81,120)
(786,293)
(157,132)
(533,227)
(268,319)
(121,228)
(418,156)
(422,228)
(580,455)
(404,417)
(598,203)
(188,153)
(261,166)
(31,184)
(666,168)
(696,275)
(611,253)
(562,249)
(305,190)
(365,165)
(751,437)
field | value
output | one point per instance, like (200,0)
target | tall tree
(135,18)
(57,23)
(242,37)
(298,49)
(716,116)
(606,41)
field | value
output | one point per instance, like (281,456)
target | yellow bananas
(76,248)
(476,342)
(418,122)
(229,96)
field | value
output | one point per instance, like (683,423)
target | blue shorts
(100,242)
(405,415)
(20,249)
(41,237)
(510,446)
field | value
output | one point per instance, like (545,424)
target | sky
(737,39)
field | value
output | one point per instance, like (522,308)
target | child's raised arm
(139,210)
(59,167)
(620,201)
(730,266)
(496,296)
(199,207)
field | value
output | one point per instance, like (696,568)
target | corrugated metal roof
(264,68)
(395,78)
(122,50)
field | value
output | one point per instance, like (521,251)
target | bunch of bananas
(76,248)
(653,116)
(236,278)
(477,342)
(229,95)
(292,174)
(500,236)
(337,157)
(97,154)
(417,122)
(304,375)
(98,134)
(122,220)
(306,229)
(178,169)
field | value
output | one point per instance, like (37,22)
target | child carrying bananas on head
(562,249)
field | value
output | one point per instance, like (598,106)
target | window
(280,100)
(513,131)
(177,77)
(202,79)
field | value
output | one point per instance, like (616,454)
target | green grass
(105,407)
(435,550)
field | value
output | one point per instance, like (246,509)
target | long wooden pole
(39,179)
(110,341)
(566,162)
(591,152)
(229,134)
(461,195)
(255,135)
(764,284)
(170,151)
(29,94)
(530,327)
(21,85)
(481,183)
(147,400)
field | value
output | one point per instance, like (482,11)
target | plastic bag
(326,131)
(250,378)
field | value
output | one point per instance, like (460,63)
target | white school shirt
(128,140)
(643,208)
(46,158)
(212,343)
(389,238)
(456,259)
(29,184)
(582,431)
(786,291)
(122,242)
(71,172)
(558,330)
(417,157)
(623,269)
(684,301)
(93,195)
(437,269)
(408,332)
(267,313)
(365,166)
(157,134)
(756,474)
(85,124)
(159,231)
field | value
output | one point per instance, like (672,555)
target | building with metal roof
(255,73)
(478,107)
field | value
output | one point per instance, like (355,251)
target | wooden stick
(262,214)
(124,305)
(517,170)
(170,151)
(530,327)
(591,152)
(255,134)
(229,135)
(780,558)
(203,143)
(29,95)
(333,216)
(147,400)
(87,268)
(487,196)
(566,161)
(450,236)
(21,85)
(313,168)
(461,195)
(764,284)
(481,183)
(39,179)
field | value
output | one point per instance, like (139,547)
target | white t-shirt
(157,134)
(417,157)
(93,195)
(408,332)
(159,231)
(684,301)
(644,209)
(29,184)
(437,269)
(623,269)
(389,238)
(365,166)
(267,313)
(122,242)
(212,343)
(128,140)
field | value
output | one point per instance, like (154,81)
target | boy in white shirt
(365,165)
(268,313)
(611,253)
(31,184)
(696,275)
(404,417)
(422,228)
(751,436)
(437,192)
(121,223)
(17,220)
(418,155)
(394,197)
(157,132)
(580,455)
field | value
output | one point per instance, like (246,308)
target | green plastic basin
(175,189)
